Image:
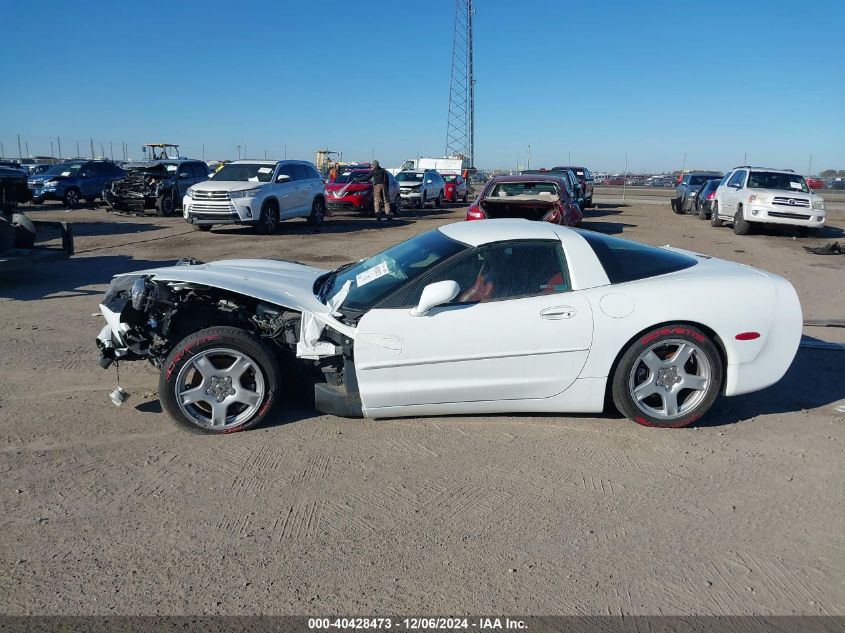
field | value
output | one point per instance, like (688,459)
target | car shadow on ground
(600,213)
(70,278)
(608,228)
(814,380)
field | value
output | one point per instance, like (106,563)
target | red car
(346,195)
(456,188)
(533,197)
(815,183)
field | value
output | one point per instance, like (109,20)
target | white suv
(257,192)
(752,195)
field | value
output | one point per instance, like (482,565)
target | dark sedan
(530,196)
(703,204)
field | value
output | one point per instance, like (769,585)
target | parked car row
(749,196)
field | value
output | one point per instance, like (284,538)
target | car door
(301,190)
(514,331)
(284,191)
(91,180)
(732,194)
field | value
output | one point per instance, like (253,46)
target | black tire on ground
(588,202)
(7,235)
(318,213)
(422,200)
(438,202)
(24,231)
(741,225)
(268,218)
(396,207)
(165,204)
(38,201)
(203,227)
(702,214)
(71,198)
(676,205)
(214,349)
(466,196)
(714,215)
(659,347)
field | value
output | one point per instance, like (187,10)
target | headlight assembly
(143,293)
(248,193)
(818,203)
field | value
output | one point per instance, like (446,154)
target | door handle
(558,312)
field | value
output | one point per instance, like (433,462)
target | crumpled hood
(287,284)
(227,185)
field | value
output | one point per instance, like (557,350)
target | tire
(466,196)
(318,214)
(165,205)
(589,202)
(203,227)
(268,218)
(38,201)
(396,207)
(676,205)
(24,231)
(422,200)
(741,225)
(714,215)
(219,366)
(649,386)
(702,214)
(438,201)
(71,198)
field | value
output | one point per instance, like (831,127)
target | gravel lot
(117,511)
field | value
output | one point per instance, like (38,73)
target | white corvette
(475,317)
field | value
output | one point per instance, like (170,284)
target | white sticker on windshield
(171,167)
(795,185)
(265,170)
(379,270)
(346,173)
(253,179)
(65,173)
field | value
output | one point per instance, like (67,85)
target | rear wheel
(714,215)
(422,201)
(438,202)
(589,202)
(741,225)
(668,377)
(203,227)
(268,219)
(702,214)
(219,380)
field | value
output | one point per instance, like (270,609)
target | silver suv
(421,186)
(760,195)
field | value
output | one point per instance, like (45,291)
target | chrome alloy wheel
(670,378)
(220,388)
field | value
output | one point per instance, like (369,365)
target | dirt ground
(117,511)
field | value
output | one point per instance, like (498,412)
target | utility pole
(2,150)
(20,152)
(203,152)
(102,151)
(52,153)
(460,121)
(745,158)
(528,161)
(91,141)
(244,150)
(684,165)
(77,149)
(625,175)
(59,139)
(286,152)
(111,151)
(26,145)
(810,167)
(239,151)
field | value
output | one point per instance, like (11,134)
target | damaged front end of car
(142,189)
(147,317)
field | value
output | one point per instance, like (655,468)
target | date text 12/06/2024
(415,624)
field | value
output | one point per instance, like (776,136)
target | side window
(91,171)
(724,179)
(737,179)
(312,173)
(200,171)
(286,171)
(502,271)
(299,172)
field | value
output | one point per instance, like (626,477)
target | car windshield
(524,190)
(348,176)
(245,172)
(64,169)
(373,279)
(409,176)
(774,180)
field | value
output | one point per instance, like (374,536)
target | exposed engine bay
(148,186)
(147,318)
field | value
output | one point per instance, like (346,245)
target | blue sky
(715,80)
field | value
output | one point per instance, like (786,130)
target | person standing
(381,189)
(333,172)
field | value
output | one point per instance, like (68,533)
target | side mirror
(434,295)
(282,178)
(428,182)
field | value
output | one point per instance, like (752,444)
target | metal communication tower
(460,126)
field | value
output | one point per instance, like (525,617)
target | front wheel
(71,198)
(676,206)
(741,225)
(422,201)
(714,215)
(219,380)
(668,377)
(165,205)
(268,218)
(203,227)
(318,213)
